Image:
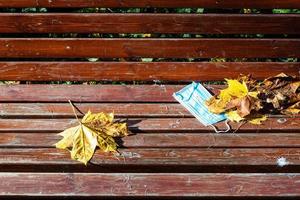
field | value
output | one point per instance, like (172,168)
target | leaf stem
(73,108)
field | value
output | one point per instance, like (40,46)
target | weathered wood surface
(157,156)
(152,3)
(95,93)
(63,110)
(151,125)
(88,93)
(124,71)
(154,160)
(170,153)
(122,110)
(165,140)
(82,184)
(149,23)
(160,48)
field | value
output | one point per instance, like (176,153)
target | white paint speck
(281,162)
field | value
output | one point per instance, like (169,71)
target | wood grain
(151,125)
(142,71)
(149,23)
(123,110)
(153,48)
(64,110)
(176,185)
(156,156)
(88,93)
(94,93)
(153,3)
(169,154)
(166,140)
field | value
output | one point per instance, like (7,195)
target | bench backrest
(28,54)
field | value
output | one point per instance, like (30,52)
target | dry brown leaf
(218,104)
(293,110)
(236,97)
(246,97)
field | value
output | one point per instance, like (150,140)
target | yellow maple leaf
(93,130)
(84,143)
(236,88)
(235,91)
(103,122)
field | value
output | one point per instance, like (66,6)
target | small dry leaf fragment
(93,130)
(258,120)
(293,110)
(234,116)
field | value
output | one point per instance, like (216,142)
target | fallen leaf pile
(93,130)
(246,99)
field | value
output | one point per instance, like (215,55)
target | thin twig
(73,108)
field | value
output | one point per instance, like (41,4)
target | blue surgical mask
(193,98)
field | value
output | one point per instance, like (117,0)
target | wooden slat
(149,23)
(64,110)
(153,3)
(155,157)
(52,110)
(176,185)
(156,48)
(87,93)
(192,184)
(153,160)
(167,140)
(124,71)
(150,125)
(95,93)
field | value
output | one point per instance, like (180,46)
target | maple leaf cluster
(93,130)
(246,99)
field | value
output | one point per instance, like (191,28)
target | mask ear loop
(223,131)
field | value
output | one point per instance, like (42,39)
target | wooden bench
(171,154)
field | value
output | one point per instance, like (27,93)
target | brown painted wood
(151,125)
(166,140)
(123,110)
(155,157)
(192,184)
(153,3)
(143,71)
(87,93)
(63,110)
(94,93)
(149,23)
(154,48)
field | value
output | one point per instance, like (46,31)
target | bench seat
(168,148)
(131,64)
